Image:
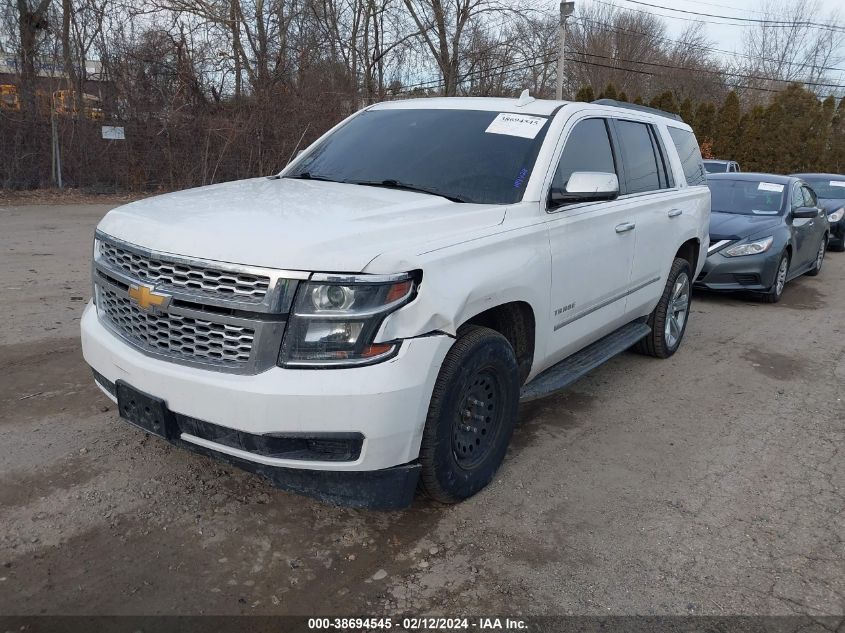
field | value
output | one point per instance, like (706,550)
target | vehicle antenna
(524,99)
(302,136)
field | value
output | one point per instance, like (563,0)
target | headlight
(336,317)
(836,215)
(749,248)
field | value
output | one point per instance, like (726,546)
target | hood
(734,226)
(295,224)
(832,204)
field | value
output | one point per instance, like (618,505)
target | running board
(576,366)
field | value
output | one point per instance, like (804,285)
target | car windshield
(463,155)
(715,168)
(746,197)
(828,187)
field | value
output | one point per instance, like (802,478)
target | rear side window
(690,156)
(587,149)
(639,157)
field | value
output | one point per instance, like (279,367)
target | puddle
(775,365)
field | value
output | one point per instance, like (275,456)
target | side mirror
(805,213)
(586,186)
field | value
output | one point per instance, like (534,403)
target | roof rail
(635,106)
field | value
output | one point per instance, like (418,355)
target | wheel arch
(515,321)
(690,251)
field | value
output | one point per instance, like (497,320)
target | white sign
(522,125)
(770,186)
(113,133)
(837,183)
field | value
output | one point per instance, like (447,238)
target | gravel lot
(711,483)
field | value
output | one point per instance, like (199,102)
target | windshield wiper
(307,175)
(395,184)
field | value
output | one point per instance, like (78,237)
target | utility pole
(57,151)
(566,9)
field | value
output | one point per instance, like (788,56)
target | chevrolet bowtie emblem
(147,299)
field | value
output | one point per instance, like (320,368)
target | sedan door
(803,231)
(819,225)
(592,247)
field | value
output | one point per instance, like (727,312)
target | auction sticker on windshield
(770,186)
(837,183)
(522,125)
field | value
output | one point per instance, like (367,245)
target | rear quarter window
(690,156)
(639,157)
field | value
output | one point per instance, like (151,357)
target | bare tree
(32,23)
(795,50)
(442,25)
(610,46)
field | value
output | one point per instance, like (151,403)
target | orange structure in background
(64,103)
(9,99)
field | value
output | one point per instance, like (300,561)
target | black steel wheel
(471,417)
(479,419)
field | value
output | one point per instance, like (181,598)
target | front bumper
(384,404)
(755,273)
(837,231)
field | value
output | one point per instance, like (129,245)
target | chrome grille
(173,274)
(177,335)
(209,314)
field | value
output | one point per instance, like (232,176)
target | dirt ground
(711,483)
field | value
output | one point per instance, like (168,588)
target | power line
(670,40)
(703,47)
(726,6)
(533,62)
(546,59)
(775,25)
(786,23)
(708,71)
(526,64)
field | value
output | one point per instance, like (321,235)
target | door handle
(625,227)
(674,213)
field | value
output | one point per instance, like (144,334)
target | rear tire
(471,417)
(776,292)
(817,267)
(669,320)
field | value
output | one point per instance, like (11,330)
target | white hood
(296,224)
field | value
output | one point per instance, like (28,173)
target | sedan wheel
(774,295)
(817,267)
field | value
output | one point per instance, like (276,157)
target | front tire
(817,267)
(471,417)
(668,322)
(776,292)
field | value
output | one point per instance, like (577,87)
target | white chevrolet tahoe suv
(366,322)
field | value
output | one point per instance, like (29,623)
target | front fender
(463,280)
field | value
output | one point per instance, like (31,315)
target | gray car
(830,188)
(764,231)
(718,166)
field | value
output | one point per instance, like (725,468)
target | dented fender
(509,263)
